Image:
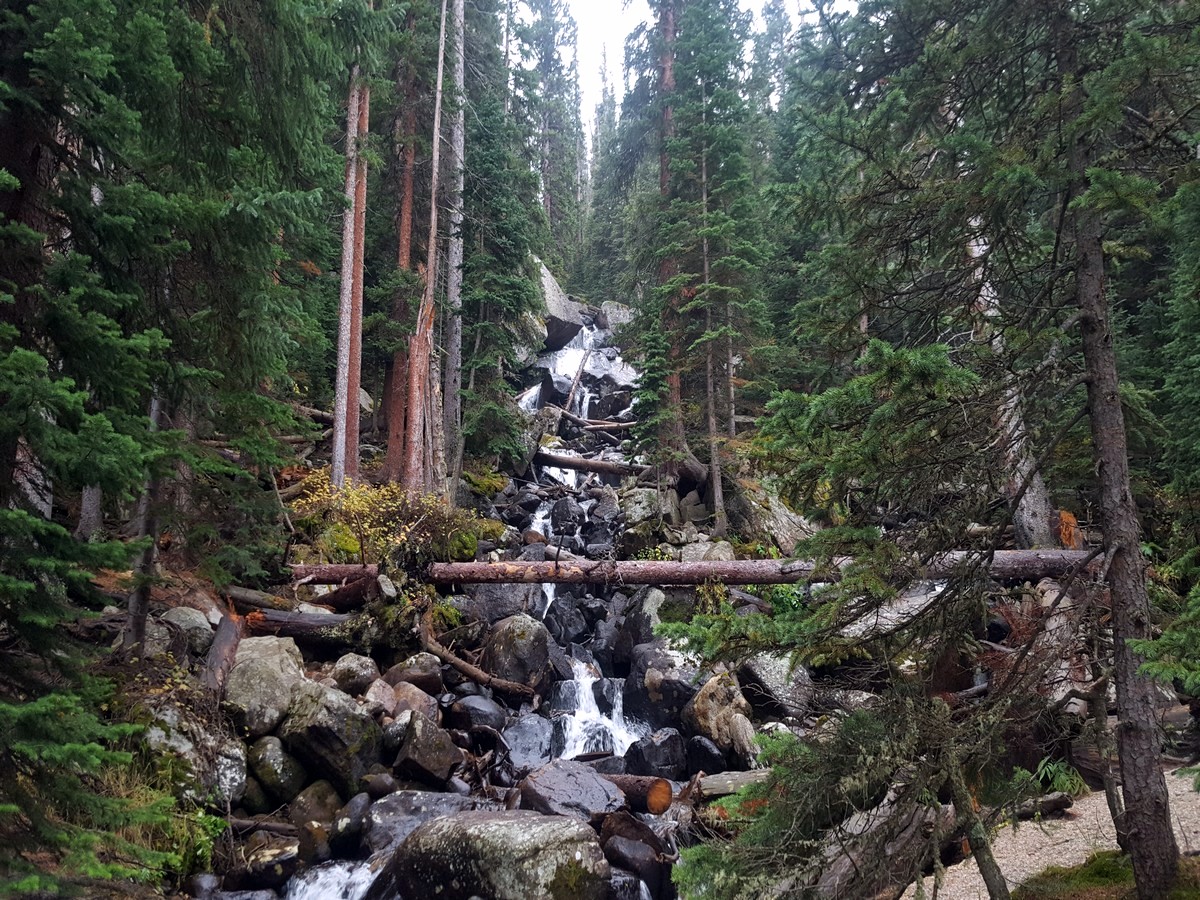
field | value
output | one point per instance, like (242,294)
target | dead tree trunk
(354,359)
(454,264)
(601,466)
(333,573)
(222,654)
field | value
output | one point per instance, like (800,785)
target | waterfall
(340,880)
(591,731)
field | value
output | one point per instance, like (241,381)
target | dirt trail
(1086,828)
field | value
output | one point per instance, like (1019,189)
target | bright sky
(603,24)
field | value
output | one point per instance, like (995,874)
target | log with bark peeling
(581,464)
(328,629)
(726,783)
(222,654)
(333,573)
(248,599)
(1004,565)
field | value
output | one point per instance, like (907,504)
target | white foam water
(588,728)
(339,880)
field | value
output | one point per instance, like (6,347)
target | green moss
(489,530)
(572,881)
(1105,876)
(485,484)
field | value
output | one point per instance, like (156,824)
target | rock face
(771,684)
(261,683)
(564,788)
(514,855)
(720,713)
(659,685)
(489,603)
(564,317)
(331,734)
(662,754)
(518,649)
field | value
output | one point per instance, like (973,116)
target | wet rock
(662,754)
(565,621)
(281,774)
(650,607)
(564,317)
(607,693)
(390,820)
(515,855)
(348,825)
(267,866)
(704,756)
(329,733)
(565,516)
(315,846)
(722,714)
(774,686)
(489,603)
(254,798)
(638,858)
(195,627)
(265,674)
(379,784)
(564,788)
(660,684)
(606,638)
(518,649)
(410,698)
(423,670)
(609,372)
(624,885)
(426,752)
(354,673)
(319,802)
(533,553)
(529,740)
(472,712)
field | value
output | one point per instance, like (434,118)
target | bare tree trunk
(1147,818)
(454,263)
(346,295)
(720,520)
(420,347)
(354,363)
(397,380)
(138,604)
(981,847)
(91,513)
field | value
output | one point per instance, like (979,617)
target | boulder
(254,799)
(662,754)
(265,675)
(348,823)
(660,684)
(380,698)
(472,712)
(564,317)
(613,315)
(489,603)
(640,859)
(704,756)
(514,855)
(714,551)
(422,669)
(773,685)
(329,733)
(518,649)
(390,820)
(759,514)
(649,505)
(529,740)
(214,770)
(319,802)
(195,627)
(565,516)
(411,698)
(354,673)
(565,788)
(426,751)
(607,370)
(280,773)
(722,714)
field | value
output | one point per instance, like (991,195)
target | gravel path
(1084,829)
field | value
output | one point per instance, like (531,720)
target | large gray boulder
(421,669)
(565,788)
(393,818)
(195,627)
(720,713)
(354,673)
(517,855)
(773,685)
(426,752)
(262,682)
(489,603)
(214,764)
(518,650)
(331,734)
(529,741)
(280,774)
(659,685)
(564,317)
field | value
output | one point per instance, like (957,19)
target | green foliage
(55,753)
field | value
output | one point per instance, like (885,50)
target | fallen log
(1044,806)
(726,783)
(222,654)
(248,599)
(1004,565)
(580,464)
(328,629)
(349,596)
(644,793)
(270,826)
(333,573)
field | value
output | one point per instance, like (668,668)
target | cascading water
(591,731)
(340,880)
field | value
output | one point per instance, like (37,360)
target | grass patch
(1105,876)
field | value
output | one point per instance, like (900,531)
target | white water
(529,400)
(541,520)
(341,880)
(588,726)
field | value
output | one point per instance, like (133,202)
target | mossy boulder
(331,734)
(518,649)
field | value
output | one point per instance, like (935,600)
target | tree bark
(1147,819)
(332,573)
(354,359)
(1005,565)
(337,463)
(580,464)
(138,604)
(91,513)
(222,654)
(644,793)
(248,599)
(720,520)
(726,783)
(338,630)
(454,263)
(981,847)
(419,407)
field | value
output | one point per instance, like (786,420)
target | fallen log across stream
(1003,564)
(582,464)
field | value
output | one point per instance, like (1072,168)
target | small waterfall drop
(340,880)
(591,731)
